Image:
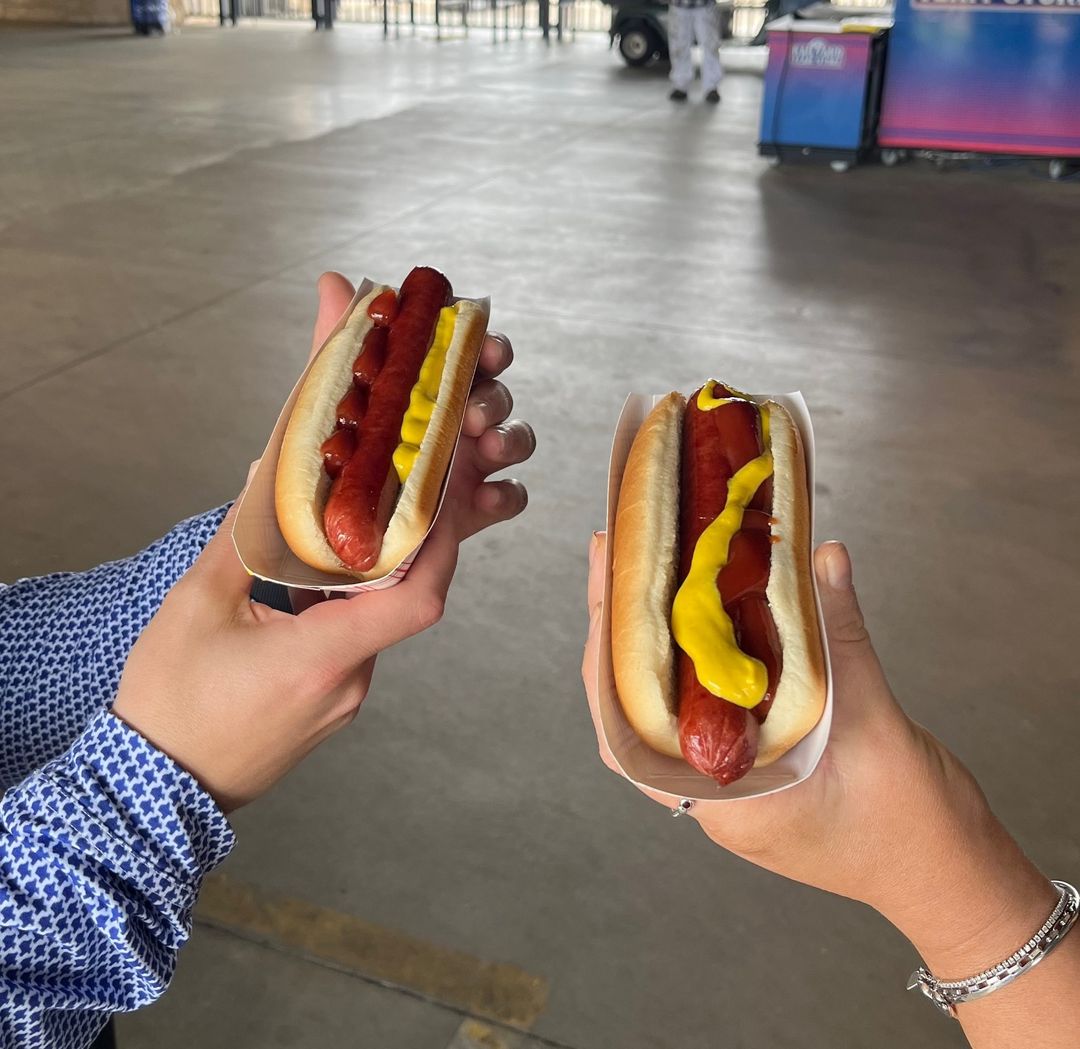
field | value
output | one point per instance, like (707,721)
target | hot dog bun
(800,695)
(645,579)
(302,484)
(645,563)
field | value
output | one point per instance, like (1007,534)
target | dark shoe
(713,96)
(677,96)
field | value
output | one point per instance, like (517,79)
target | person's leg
(680,40)
(707,31)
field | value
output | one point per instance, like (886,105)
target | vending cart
(822,89)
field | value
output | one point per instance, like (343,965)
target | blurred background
(882,212)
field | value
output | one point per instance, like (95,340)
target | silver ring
(682,808)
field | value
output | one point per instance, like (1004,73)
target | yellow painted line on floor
(495,990)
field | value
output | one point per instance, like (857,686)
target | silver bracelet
(948,994)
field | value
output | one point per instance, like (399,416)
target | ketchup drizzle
(338,448)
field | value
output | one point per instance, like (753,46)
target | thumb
(335,294)
(839,603)
(860,689)
(597,568)
(856,670)
(352,631)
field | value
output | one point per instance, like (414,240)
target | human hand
(890,817)
(237,692)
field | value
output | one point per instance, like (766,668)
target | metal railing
(580,16)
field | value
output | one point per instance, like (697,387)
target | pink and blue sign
(995,76)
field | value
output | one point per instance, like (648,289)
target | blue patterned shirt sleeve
(105,841)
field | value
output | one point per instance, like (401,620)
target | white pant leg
(707,31)
(680,28)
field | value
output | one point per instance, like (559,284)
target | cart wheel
(1058,168)
(638,45)
(840,166)
(890,157)
(774,161)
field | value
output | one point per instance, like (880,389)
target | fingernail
(838,566)
(524,428)
(595,544)
(523,492)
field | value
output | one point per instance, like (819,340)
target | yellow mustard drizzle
(424,394)
(702,628)
(707,400)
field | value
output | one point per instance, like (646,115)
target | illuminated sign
(1034,6)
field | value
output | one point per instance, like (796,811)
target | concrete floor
(165,208)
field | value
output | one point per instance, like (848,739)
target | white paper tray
(671,779)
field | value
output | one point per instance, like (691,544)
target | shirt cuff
(118,798)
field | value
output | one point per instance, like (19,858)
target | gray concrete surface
(273,1000)
(165,208)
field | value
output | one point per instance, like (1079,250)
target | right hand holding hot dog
(238,693)
(890,817)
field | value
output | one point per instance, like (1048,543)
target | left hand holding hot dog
(239,693)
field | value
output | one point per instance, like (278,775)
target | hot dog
(374,426)
(715,640)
